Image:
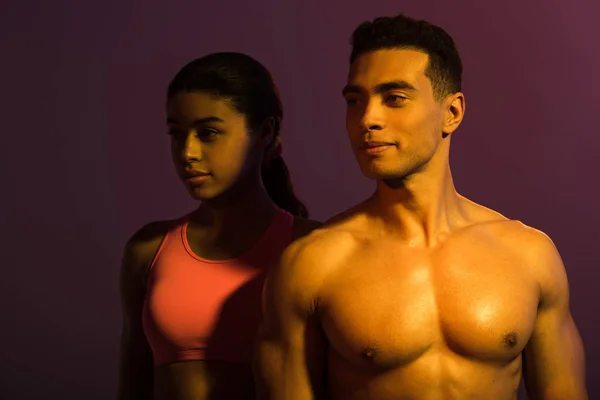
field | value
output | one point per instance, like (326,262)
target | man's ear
(454,113)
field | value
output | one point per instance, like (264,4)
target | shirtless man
(417,292)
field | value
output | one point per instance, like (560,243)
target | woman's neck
(247,208)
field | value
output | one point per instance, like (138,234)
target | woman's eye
(207,134)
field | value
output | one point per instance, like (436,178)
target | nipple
(511,339)
(369,353)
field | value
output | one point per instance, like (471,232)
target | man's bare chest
(390,306)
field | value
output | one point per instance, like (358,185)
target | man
(416,293)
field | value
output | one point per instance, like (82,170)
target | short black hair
(402,32)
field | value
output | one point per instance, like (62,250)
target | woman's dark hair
(248,85)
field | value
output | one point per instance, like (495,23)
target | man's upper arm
(554,361)
(291,351)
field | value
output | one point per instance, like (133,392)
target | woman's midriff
(203,380)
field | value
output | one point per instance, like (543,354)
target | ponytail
(278,183)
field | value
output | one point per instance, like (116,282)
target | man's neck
(423,209)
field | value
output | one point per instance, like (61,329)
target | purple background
(85,157)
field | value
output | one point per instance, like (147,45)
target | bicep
(554,357)
(554,365)
(290,362)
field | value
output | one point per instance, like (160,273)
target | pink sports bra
(199,309)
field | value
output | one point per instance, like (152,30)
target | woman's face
(211,145)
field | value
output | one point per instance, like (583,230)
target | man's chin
(382,174)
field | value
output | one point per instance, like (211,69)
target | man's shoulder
(311,259)
(508,232)
(531,245)
(534,245)
(323,245)
(533,248)
(540,259)
(339,232)
(304,226)
(520,237)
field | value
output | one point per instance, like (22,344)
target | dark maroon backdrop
(85,156)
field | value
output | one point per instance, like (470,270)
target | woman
(191,288)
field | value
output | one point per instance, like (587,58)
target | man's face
(393,120)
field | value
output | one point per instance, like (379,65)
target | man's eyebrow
(381,88)
(395,85)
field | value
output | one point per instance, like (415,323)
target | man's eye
(394,99)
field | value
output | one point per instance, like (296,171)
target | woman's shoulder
(143,245)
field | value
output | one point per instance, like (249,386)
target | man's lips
(376,147)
